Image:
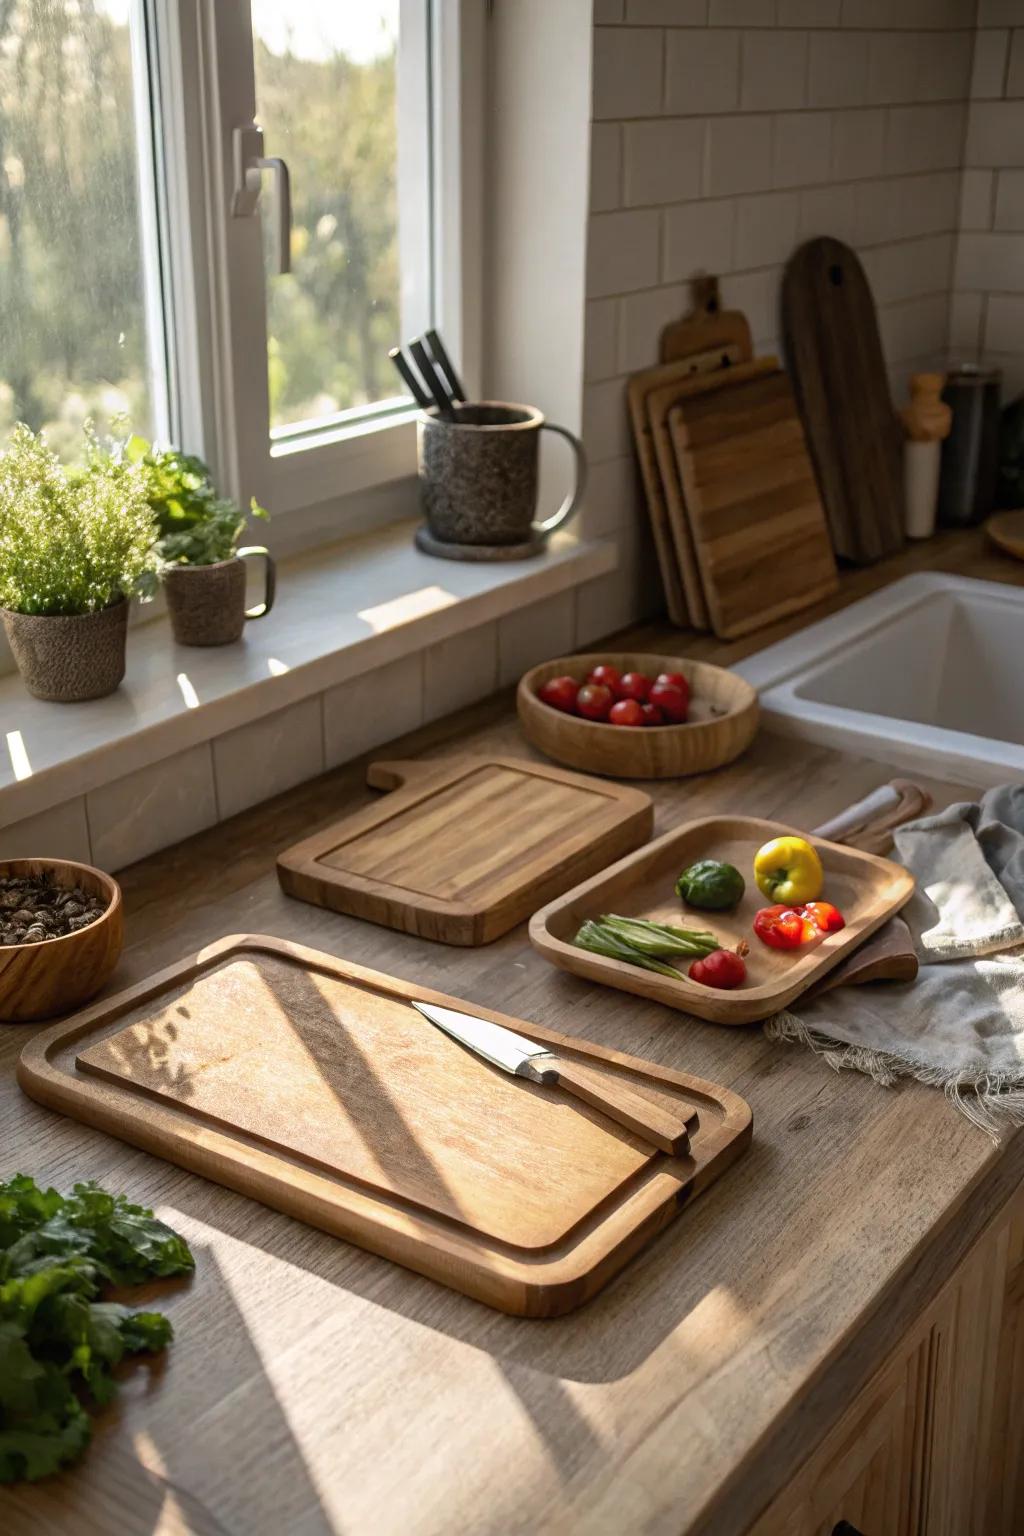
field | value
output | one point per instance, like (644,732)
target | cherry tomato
(825,917)
(608,677)
(723,968)
(626,712)
(671,700)
(678,681)
(634,685)
(560,693)
(593,701)
(652,714)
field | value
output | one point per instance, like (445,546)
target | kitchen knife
(513,1053)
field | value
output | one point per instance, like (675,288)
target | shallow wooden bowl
(1006,529)
(722,724)
(38,981)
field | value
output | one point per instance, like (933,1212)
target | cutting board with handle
(708,327)
(751,500)
(834,353)
(312,1085)
(463,849)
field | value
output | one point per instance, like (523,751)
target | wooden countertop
(315,1389)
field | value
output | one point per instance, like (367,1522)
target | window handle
(250,163)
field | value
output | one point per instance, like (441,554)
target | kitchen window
(217,219)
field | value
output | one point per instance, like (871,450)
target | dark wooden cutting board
(834,353)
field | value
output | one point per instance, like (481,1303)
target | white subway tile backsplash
(739,155)
(989,69)
(916,329)
(601,339)
(924,138)
(460,671)
(908,13)
(622,252)
(909,268)
(1001,13)
(152,808)
(1009,210)
(368,711)
(612,494)
(627,72)
(976,188)
(766,229)
(62,833)
(809,13)
(1015,71)
(757,295)
(663,161)
(702,71)
(858,144)
(965,317)
(605,421)
(698,237)
(829,211)
(667,13)
(987,262)
(607,12)
(995,133)
(838,72)
(1004,324)
(892,66)
(803,149)
(605,167)
(535,634)
(643,317)
(944,66)
(742,13)
(774,70)
(268,756)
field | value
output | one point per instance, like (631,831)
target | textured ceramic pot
(67,658)
(207,602)
(479,473)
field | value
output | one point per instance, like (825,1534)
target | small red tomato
(677,680)
(652,714)
(626,712)
(560,693)
(634,685)
(825,917)
(671,700)
(608,677)
(723,968)
(593,701)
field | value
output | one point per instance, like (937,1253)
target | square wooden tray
(867,890)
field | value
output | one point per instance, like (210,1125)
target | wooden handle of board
(664,1128)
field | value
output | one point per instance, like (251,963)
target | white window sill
(340,612)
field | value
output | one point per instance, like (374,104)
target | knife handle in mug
(665,1128)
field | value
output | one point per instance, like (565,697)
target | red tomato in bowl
(560,693)
(652,714)
(634,685)
(626,712)
(609,677)
(671,700)
(593,701)
(678,681)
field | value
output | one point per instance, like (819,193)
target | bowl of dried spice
(61,935)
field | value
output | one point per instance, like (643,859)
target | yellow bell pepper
(788,870)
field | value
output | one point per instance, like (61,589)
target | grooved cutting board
(835,356)
(464,849)
(311,1084)
(751,500)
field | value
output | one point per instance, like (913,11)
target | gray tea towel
(960,1025)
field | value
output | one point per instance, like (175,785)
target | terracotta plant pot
(69,657)
(207,602)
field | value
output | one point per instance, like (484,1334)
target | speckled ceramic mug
(479,473)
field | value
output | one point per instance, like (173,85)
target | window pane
(327,99)
(72,293)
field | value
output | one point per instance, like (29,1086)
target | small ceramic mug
(479,474)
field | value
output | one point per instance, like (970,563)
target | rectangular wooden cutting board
(463,849)
(311,1084)
(866,889)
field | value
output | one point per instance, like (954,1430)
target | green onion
(658,938)
(601,940)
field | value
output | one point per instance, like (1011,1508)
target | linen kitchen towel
(960,1025)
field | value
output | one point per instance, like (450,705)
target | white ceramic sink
(927,674)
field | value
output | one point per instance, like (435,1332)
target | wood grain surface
(751,500)
(460,851)
(38,981)
(313,1388)
(707,327)
(835,356)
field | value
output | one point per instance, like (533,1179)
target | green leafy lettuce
(57,1340)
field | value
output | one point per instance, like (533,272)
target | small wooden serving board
(311,1084)
(866,889)
(464,849)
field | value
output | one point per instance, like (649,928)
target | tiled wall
(988,306)
(725,133)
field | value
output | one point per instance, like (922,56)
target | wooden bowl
(56,976)
(1006,529)
(722,724)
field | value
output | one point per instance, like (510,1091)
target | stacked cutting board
(738,524)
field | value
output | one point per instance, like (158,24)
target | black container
(970,454)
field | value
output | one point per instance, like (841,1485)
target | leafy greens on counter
(56,1254)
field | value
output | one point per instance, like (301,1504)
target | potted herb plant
(200,563)
(75,545)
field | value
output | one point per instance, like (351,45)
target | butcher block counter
(834,1331)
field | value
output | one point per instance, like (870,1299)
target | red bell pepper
(785,927)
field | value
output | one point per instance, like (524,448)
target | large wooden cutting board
(748,488)
(834,353)
(312,1085)
(464,849)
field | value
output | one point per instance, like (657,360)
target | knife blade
(667,1127)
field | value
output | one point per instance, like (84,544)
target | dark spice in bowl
(32,910)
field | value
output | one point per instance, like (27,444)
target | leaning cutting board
(866,889)
(708,327)
(312,1085)
(749,495)
(463,849)
(835,355)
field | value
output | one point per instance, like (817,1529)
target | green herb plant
(195,525)
(72,541)
(57,1340)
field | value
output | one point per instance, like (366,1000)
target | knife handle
(665,1128)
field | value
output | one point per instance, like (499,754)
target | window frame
(219,403)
